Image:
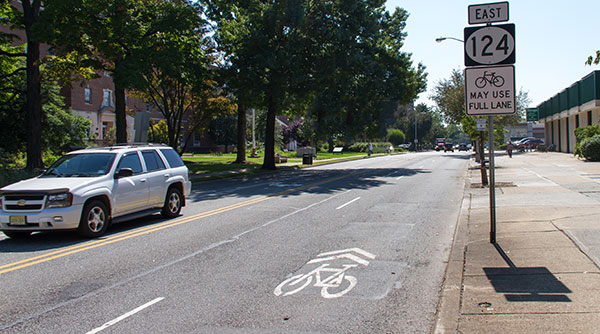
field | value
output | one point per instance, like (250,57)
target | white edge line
(399,177)
(126,315)
(343,205)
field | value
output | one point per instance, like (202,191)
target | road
(352,247)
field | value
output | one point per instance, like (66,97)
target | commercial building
(574,107)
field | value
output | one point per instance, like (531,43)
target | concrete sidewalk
(543,274)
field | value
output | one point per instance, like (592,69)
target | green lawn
(210,163)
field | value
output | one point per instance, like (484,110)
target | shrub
(582,134)
(542,148)
(395,136)
(378,147)
(590,148)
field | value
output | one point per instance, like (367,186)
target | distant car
(448,147)
(462,147)
(528,143)
(440,146)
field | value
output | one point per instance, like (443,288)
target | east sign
(488,13)
(490,90)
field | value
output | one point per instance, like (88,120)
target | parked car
(448,147)
(87,190)
(462,147)
(528,143)
(440,146)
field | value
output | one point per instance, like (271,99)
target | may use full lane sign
(490,90)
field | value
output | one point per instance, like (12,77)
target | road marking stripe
(348,203)
(125,316)
(120,236)
(153,228)
(40,259)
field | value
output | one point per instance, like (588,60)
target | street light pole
(416,138)
(441,39)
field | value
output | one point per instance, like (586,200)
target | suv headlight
(59,200)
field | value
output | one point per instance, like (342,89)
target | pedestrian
(509,149)
(370,149)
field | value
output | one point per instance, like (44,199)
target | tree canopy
(337,61)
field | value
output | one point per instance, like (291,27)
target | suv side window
(172,157)
(153,161)
(131,160)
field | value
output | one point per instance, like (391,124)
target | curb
(446,319)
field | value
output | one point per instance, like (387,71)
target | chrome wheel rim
(96,219)
(174,202)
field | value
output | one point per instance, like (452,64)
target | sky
(553,40)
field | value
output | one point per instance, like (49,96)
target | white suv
(88,189)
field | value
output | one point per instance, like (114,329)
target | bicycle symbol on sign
(490,78)
(334,282)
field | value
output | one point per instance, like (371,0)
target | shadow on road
(40,241)
(297,182)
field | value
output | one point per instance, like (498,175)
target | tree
(361,69)
(340,61)
(58,130)
(591,59)
(23,16)
(275,74)
(117,37)
(449,95)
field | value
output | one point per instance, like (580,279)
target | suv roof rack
(126,145)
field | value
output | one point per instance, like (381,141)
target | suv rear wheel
(94,219)
(173,202)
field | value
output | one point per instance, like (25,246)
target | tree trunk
(34,88)
(269,161)
(241,134)
(120,114)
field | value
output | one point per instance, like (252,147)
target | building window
(87,95)
(107,98)
(590,117)
(147,107)
(576,121)
(197,140)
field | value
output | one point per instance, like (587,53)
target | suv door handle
(142,180)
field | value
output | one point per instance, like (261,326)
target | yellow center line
(153,228)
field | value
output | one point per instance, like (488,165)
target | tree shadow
(288,183)
(527,284)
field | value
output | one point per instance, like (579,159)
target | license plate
(17,220)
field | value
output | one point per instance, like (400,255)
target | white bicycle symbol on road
(333,282)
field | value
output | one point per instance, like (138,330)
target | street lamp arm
(440,39)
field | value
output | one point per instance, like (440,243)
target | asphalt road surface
(352,247)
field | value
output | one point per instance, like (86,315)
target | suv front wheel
(94,219)
(173,202)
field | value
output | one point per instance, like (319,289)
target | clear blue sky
(553,40)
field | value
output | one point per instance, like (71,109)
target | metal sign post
(492,183)
(490,90)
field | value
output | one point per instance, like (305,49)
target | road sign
(532,115)
(488,13)
(481,124)
(490,90)
(490,45)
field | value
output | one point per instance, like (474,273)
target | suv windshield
(81,165)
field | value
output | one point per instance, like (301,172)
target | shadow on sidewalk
(528,284)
